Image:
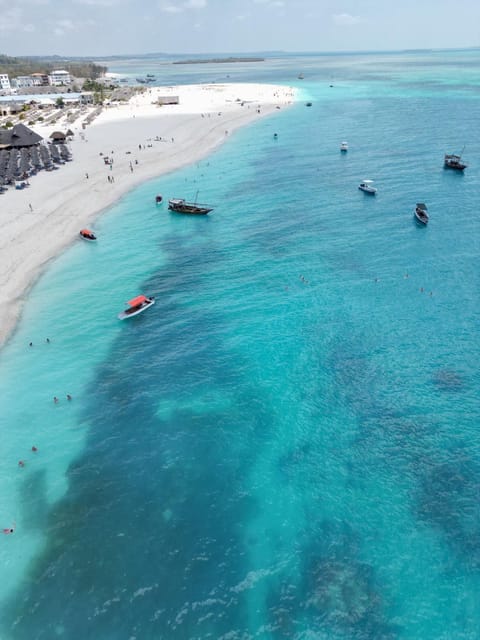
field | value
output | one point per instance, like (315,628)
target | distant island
(218,60)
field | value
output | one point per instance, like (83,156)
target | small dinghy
(420,213)
(88,235)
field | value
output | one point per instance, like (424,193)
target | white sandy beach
(64,201)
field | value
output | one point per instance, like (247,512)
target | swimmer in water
(9,530)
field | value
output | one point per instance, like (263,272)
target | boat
(136,305)
(308,104)
(454,161)
(141,80)
(300,76)
(86,234)
(344,147)
(420,213)
(158,199)
(179,205)
(366,186)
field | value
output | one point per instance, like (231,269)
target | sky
(112,27)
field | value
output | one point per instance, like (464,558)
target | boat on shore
(136,305)
(88,235)
(366,187)
(420,213)
(454,161)
(180,205)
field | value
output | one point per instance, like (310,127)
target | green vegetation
(25,66)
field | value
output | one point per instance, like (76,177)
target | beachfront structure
(168,100)
(60,77)
(40,79)
(5,83)
(21,82)
(18,136)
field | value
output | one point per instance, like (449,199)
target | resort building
(22,81)
(5,83)
(40,79)
(58,78)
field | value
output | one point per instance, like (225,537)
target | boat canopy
(86,232)
(134,302)
(421,205)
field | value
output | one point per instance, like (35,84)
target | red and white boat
(136,305)
(86,234)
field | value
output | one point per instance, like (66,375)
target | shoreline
(145,141)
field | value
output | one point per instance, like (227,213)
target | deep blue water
(286,445)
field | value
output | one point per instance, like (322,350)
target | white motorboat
(420,213)
(136,305)
(366,186)
(344,147)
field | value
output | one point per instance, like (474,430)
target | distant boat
(308,104)
(141,80)
(136,305)
(366,186)
(300,76)
(86,234)
(344,147)
(150,75)
(180,205)
(453,161)
(420,213)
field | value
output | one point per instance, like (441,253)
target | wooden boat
(454,161)
(179,205)
(420,213)
(86,234)
(344,147)
(366,186)
(136,305)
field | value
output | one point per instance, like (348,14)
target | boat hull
(135,311)
(188,208)
(91,238)
(370,190)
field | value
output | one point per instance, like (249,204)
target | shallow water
(285,445)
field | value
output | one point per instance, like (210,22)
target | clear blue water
(286,445)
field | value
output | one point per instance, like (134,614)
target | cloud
(180,7)
(98,3)
(345,19)
(13,20)
(61,27)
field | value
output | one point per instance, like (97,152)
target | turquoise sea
(286,446)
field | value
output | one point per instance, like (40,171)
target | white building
(60,77)
(22,81)
(5,83)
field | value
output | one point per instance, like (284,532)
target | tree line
(26,66)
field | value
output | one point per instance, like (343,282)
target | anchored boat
(420,213)
(180,205)
(88,235)
(366,186)
(136,305)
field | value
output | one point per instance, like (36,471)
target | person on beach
(31,208)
